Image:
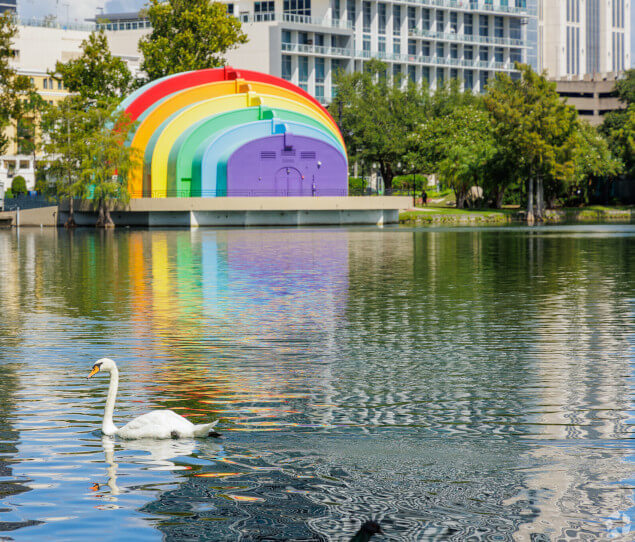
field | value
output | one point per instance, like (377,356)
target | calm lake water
(457,384)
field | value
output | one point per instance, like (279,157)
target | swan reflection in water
(157,455)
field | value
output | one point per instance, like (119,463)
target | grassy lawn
(450,214)
(440,214)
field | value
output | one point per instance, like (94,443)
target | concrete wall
(241,212)
(44,216)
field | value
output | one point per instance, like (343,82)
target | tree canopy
(20,102)
(188,35)
(376,116)
(96,74)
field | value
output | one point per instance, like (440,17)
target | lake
(453,384)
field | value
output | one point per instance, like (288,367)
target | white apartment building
(580,37)
(307,41)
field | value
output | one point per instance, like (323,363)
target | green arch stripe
(181,157)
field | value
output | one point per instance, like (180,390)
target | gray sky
(78,10)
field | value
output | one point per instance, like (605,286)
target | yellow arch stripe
(199,93)
(186,118)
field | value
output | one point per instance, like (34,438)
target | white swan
(156,424)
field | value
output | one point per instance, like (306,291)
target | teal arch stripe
(209,168)
(180,161)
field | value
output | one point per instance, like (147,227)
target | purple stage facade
(287,165)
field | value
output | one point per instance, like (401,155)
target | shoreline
(461,217)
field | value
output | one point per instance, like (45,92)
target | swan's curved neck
(108,427)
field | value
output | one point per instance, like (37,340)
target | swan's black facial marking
(174,435)
(98,365)
(213,434)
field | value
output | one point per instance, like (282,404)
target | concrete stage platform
(255,211)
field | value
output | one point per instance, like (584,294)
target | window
(286,67)
(454,50)
(483,77)
(468,24)
(396,19)
(499,54)
(337,14)
(514,29)
(468,52)
(59,85)
(319,39)
(425,18)
(264,11)
(468,79)
(425,48)
(425,75)
(367,16)
(412,74)
(412,47)
(297,7)
(499,27)
(382,18)
(440,50)
(396,46)
(46,83)
(440,77)
(303,71)
(515,55)
(286,36)
(483,29)
(319,77)
(381,44)
(230,9)
(396,72)
(483,54)
(366,42)
(319,70)
(303,38)
(454,73)
(351,13)
(440,21)
(412,18)
(454,22)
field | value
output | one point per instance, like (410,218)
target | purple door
(289,182)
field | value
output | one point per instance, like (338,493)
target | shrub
(8,194)
(18,185)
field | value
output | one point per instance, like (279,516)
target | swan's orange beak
(94,371)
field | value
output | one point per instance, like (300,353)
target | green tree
(376,116)
(7,33)
(20,102)
(18,185)
(90,160)
(535,128)
(458,146)
(592,159)
(96,74)
(106,160)
(618,126)
(188,35)
(65,127)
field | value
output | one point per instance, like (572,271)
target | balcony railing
(468,38)
(317,49)
(471,5)
(296,19)
(396,57)
(54,23)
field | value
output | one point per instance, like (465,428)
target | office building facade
(578,37)
(433,41)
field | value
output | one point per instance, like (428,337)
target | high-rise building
(8,5)
(307,41)
(578,37)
